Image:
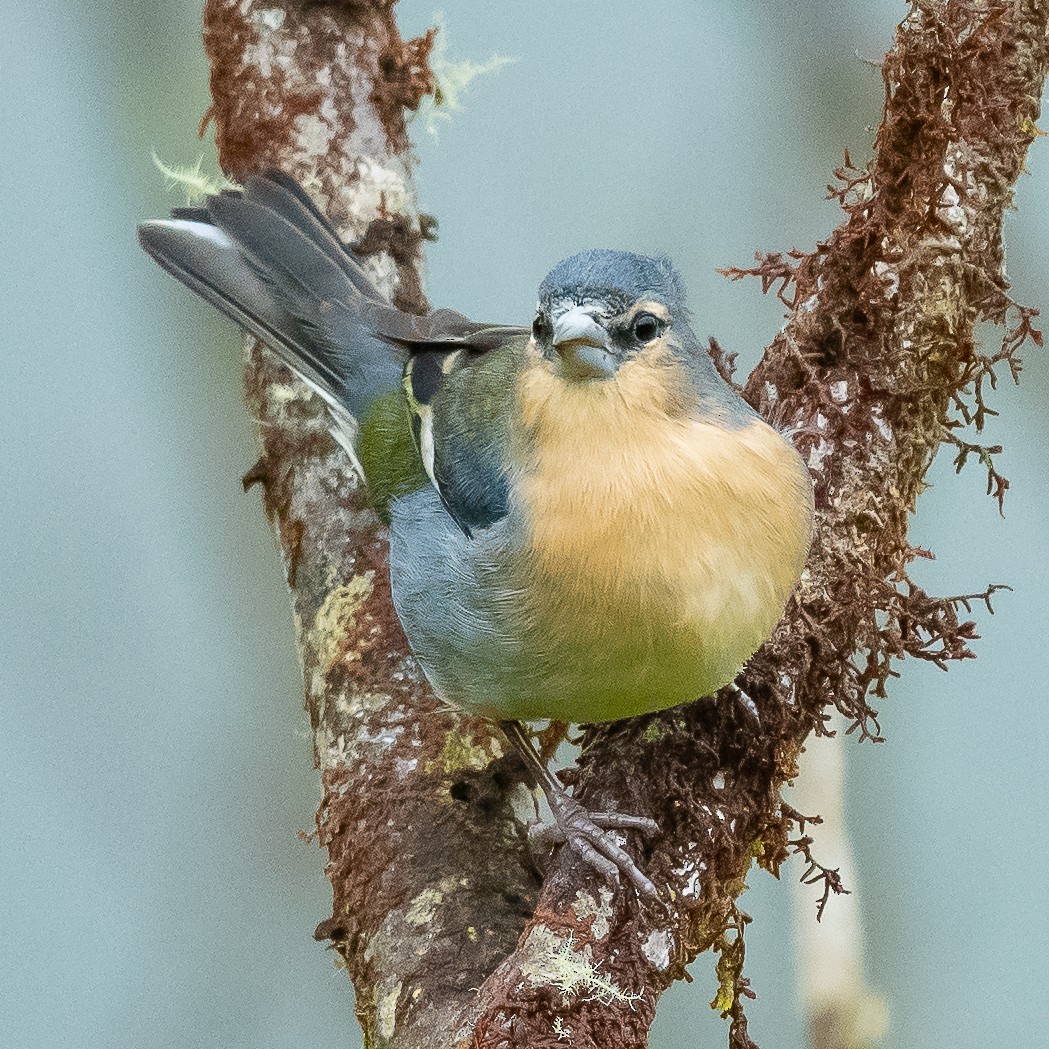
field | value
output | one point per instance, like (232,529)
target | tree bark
(449,933)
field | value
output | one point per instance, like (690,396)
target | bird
(586,521)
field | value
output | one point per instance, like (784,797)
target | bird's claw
(586,834)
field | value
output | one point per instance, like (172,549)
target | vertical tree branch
(838,1005)
(425,857)
(876,366)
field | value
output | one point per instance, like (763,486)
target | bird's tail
(266,257)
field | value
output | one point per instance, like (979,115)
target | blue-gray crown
(619,278)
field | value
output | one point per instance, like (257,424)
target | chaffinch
(586,522)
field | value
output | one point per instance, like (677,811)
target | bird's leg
(584,832)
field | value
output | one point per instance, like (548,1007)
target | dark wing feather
(460,396)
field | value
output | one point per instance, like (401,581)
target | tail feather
(191,214)
(268,259)
(285,255)
(283,195)
(209,263)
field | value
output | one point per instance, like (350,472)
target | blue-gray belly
(468,613)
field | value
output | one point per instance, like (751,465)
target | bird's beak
(582,344)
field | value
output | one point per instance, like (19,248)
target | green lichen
(190,178)
(462,751)
(655,731)
(451,78)
(553,960)
(336,619)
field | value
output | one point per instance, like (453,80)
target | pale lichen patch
(889,276)
(586,906)
(548,959)
(342,749)
(271,18)
(270,49)
(315,134)
(462,751)
(818,453)
(191,179)
(423,908)
(656,949)
(378,189)
(655,732)
(386,1013)
(561,1029)
(690,873)
(336,619)
(404,767)
(452,79)
(354,705)
(284,393)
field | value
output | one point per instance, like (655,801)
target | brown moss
(406,77)
(257,116)
(401,240)
(884,310)
(254,115)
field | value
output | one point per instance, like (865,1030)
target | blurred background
(155,767)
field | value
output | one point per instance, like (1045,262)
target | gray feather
(208,262)
(275,266)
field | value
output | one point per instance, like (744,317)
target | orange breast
(651,532)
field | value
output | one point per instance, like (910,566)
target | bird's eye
(538,327)
(646,327)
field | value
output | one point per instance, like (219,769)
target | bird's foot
(586,834)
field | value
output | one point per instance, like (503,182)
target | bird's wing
(268,258)
(460,394)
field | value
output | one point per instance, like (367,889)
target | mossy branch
(447,931)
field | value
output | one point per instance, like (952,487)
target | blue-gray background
(154,761)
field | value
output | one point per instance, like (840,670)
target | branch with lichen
(449,933)
(425,854)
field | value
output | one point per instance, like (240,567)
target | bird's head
(600,309)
